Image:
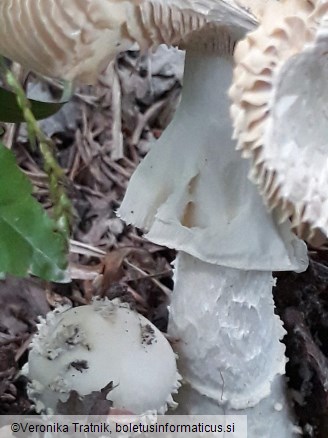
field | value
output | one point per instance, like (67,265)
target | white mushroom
(85,348)
(191,193)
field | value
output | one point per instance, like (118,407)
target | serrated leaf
(10,111)
(28,238)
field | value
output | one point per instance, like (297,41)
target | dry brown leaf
(95,403)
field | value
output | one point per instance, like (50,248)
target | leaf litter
(100,137)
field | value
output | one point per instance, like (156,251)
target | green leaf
(29,242)
(10,111)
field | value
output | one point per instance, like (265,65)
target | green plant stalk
(62,208)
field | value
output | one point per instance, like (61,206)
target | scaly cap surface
(279,110)
(102,338)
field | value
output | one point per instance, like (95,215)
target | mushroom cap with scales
(75,39)
(87,347)
(280,112)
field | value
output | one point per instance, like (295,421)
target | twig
(117,151)
(165,289)
(143,120)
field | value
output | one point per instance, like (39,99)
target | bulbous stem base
(228,341)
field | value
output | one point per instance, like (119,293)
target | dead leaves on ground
(22,301)
(127,267)
(95,403)
(107,257)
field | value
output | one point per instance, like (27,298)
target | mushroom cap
(85,348)
(255,7)
(76,39)
(6,432)
(60,38)
(279,109)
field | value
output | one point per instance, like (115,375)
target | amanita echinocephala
(79,352)
(192,193)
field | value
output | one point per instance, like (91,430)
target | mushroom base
(230,354)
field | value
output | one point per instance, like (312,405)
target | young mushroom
(87,348)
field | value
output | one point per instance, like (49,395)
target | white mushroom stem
(191,193)
(231,358)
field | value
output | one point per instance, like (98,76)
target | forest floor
(101,135)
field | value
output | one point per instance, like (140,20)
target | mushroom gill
(69,40)
(74,40)
(280,112)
